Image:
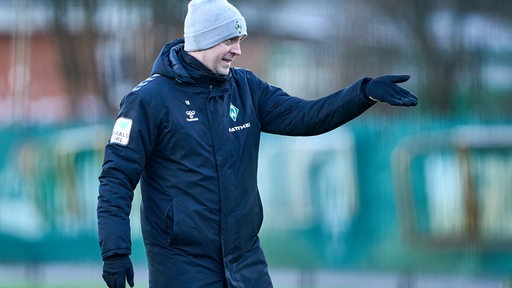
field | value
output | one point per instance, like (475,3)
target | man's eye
(233,40)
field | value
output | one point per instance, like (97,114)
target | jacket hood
(174,62)
(167,63)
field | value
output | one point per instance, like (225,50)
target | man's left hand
(385,89)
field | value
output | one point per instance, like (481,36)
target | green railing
(375,194)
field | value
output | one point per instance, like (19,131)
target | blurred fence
(47,192)
(339,200)
(455,187)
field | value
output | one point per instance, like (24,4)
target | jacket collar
(175,62)
(197,70)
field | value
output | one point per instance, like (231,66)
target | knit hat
(209,22)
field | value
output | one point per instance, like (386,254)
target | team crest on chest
(233,112)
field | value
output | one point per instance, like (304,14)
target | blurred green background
(398,192)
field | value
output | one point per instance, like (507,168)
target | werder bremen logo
(238,27)
(233,111)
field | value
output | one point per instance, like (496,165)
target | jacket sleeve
(283,114)
(133,137)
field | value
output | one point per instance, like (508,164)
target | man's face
(219,58)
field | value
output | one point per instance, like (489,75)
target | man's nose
(236,49)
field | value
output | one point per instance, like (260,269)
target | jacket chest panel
(217,129)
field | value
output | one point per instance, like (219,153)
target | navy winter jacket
(191,139)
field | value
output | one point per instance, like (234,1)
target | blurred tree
(79,34)
(448,59)
(430,34)
(77,49)
(163,21)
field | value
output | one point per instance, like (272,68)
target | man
(190,133)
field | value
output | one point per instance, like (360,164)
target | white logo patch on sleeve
(121,132)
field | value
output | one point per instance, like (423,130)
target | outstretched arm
(283,114)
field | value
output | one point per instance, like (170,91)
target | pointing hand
(385,89)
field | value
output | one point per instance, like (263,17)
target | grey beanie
(209,22)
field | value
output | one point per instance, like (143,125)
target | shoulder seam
(145,82)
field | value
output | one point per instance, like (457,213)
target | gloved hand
(385,89)
(116,270)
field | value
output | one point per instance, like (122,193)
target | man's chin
(223,71)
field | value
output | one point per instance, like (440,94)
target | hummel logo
(191,115)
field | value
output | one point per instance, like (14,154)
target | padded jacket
(191,139)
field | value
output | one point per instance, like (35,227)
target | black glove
(116,270)
(385,89)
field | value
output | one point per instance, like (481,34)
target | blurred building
(70,63)
(294,45)
(34,81)
(31,85)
